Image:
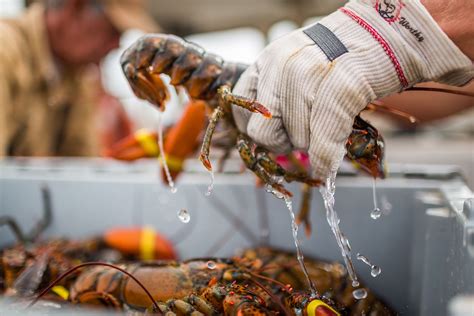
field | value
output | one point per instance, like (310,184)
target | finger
(246,87)
(269,133)
(332,117)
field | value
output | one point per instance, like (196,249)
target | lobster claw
(366,147)
(145,83)
(149,87)
(319,308)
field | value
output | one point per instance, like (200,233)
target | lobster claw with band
(319,308)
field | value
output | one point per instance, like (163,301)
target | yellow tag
(174,163)
(145,139)
(61,291)
(147,244)
(315,304)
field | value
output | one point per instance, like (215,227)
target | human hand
(315,81)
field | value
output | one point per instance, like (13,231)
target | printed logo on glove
(390,10)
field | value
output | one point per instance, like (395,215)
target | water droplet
(211,265)
(376,213)
(299,252)
(355,283)
(184,216)
(333,220)
(375,271)
(359,294)
(211,184)
(345,243)
(277,194)
(163,157)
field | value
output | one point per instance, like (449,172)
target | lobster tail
(186,63)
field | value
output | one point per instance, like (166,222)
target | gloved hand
(316,80)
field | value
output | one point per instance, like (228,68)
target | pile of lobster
(135,271)
(262,281)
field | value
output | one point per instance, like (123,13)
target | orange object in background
(179,143)
(141,144)
(183,138)
(140,241)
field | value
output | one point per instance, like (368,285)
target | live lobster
(258,282)
(206,77)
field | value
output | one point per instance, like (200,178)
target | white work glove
(314,100)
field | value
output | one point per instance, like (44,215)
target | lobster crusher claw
(319,308)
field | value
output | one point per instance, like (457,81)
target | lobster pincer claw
(319,308)
(265,169)
(144,77)
(366,147)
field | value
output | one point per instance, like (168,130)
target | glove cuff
(419,49)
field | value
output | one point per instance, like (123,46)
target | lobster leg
(303,215)
(274,168)
(251,105)
(244,146)
(13,225)
(206,144)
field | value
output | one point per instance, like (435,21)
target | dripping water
(211,265)
(299,252)
(184,216)
(211,184)
(333,221)
(376,212)
(359,294)
(171,184)
(374,270)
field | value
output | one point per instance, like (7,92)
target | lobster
(206,77)
(261,281)
(26,270)
(330,278)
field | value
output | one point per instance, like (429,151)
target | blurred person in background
(49,83)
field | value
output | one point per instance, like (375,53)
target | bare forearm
(430,106)
(455,19)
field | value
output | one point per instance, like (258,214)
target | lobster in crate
(258,282)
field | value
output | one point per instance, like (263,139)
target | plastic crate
(424,243)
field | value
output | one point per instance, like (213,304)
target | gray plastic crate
(424,243)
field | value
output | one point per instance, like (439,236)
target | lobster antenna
(442,90)
(267,279)
(274,298)
(82,265)
(13,225)
(380,107)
